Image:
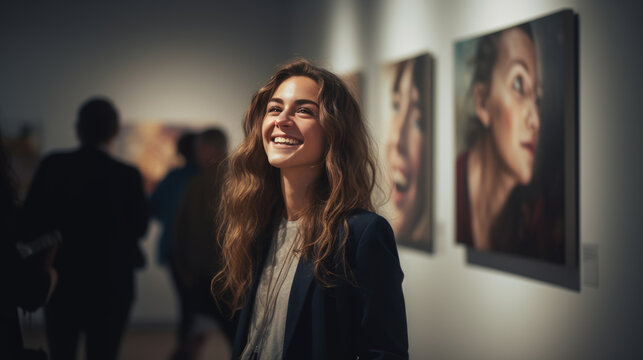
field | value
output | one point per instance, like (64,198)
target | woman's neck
(295,188)
(489,186)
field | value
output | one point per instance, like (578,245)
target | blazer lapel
(300,285)
(241,335)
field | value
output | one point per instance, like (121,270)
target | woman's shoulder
(361,216)
(362,222)
(371,244)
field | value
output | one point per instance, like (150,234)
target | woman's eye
(305,111)
(517,85)
(273,109)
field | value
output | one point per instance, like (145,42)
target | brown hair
(252,200)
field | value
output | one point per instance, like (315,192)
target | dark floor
(145,343)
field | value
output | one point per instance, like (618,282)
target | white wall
(461,311)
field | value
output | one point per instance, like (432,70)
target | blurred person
(27,277)
(314,272)
(195,251)
(98,205)
(503,144)
(166,198)
(407,152)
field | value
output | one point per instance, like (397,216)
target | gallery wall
(199,64)
(458,310)
(196,62)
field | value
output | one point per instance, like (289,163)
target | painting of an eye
(518,85)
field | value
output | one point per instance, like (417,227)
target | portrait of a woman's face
(407,142)
(514,93)
(508,106)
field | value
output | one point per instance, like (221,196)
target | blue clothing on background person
(164,203)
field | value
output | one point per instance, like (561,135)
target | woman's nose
(398,133)
(283,119)
(533,118)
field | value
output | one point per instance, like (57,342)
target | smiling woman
(314,272)
(409,151)
(292,136)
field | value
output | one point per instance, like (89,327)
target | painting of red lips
(515,103)
(408,139)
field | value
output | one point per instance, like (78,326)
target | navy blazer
(344,321)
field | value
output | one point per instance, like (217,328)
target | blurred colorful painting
(151,147)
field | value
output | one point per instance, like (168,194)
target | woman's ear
(480,93)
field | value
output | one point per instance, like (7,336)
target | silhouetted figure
(26,278)
(166,198)
(99,207)
(196,252)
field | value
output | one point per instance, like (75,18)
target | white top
(268,322)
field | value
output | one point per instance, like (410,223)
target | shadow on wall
(566,277)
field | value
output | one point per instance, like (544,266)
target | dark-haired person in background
(166,197)
(99,207)
(196,254)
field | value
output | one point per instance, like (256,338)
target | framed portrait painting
(407,149)
(515,109)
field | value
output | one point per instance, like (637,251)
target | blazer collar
(298,292)
(241,335)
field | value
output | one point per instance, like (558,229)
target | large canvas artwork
(407,144)
(515,108)
(151,147)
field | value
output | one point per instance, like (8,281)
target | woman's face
(405,157)
(510,111)
(292,136)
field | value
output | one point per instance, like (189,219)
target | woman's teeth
(283,140)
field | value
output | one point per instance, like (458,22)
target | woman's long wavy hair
(252,201)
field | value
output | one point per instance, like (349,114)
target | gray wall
(457,310)
(191,61)
(202,63)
